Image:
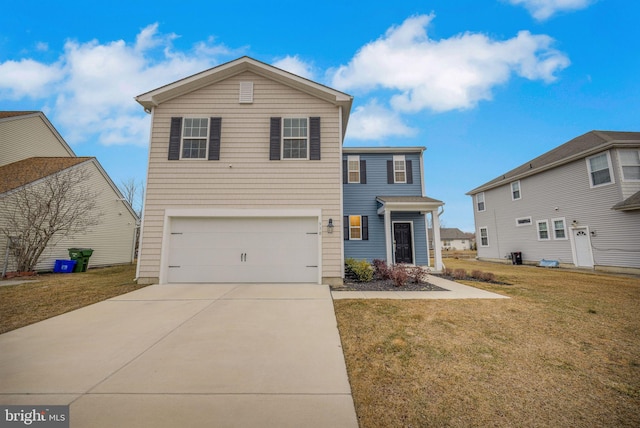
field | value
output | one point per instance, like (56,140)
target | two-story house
(578,204)
(244,181)
(386,210)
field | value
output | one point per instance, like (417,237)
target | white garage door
(222,249)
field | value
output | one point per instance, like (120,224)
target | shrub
(477,274)
(360,270)
(459,274)
(418,274)
(488,276)
(399,275)
(381,269)
(447,271)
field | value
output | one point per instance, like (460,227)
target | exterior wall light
(330,226)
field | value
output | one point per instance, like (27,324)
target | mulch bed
(385,285)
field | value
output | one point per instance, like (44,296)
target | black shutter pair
(275,138)
(215,131)
(364,226)
(345,171)
(408,171)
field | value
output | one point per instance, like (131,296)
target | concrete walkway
(187,356)
(454,289)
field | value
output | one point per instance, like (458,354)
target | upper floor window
(194,138)
(294,138)
(630,163)
(600,169)
(559,228)
(480,201)
(543,230)
(353,164)
(399,169)
(515,190)
(484,237)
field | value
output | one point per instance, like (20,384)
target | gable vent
(246,92)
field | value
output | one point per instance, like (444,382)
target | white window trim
(611,174)
(564,225)
(399,158)
(519,190)
(524,224)
(545,222)
(484,204)
(283,139)
(350,227)
(480,236)
(356,159)
(206,139)
(623,165)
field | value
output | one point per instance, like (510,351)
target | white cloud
(293,64)
(375,122)
(544,9)
(447,74)
(93,84)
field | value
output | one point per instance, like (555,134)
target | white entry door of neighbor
(582,247)
(232,250)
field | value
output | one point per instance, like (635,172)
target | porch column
(437,247)
(426,229)
(388,240)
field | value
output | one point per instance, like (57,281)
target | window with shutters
(295,141)
(195,132)
(355,227)
(599,167)
(353,163)
(399,169)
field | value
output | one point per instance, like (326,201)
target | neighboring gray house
(385,206)
(30,151)
(578,204)
(454,239)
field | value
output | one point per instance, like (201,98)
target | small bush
(488,276)
(459,274)
(447,271)
(418,274)
(381,269)
(477,274)
(360,270)
(399,275)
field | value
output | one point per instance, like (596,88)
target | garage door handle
(243,257)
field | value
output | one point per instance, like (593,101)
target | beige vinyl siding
(111,240)
(25,137)
(244,177)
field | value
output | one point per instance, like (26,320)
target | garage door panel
(244,250)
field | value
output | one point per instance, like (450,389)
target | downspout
(144,201)
(341,218)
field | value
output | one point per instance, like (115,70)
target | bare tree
(44,212)
(133,192)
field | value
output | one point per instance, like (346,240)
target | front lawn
(564,351)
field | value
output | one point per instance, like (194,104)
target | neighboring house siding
(244,177)
(112,239)
(567,188)
(25,137)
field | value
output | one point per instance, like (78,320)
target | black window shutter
(365,228)
(214,138)
(409,172)
(345,227)
(274,139)
(363,172)
(345,171)
(390,179)
(174,138)
(314,138)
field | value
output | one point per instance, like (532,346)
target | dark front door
(402,238)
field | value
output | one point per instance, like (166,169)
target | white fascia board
(386,149)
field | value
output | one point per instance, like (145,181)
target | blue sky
(485,85)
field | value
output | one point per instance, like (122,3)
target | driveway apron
(187,355)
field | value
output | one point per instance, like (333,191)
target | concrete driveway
(250,355)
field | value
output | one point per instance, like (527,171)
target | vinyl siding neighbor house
(244,178)
(31,151)
(578,204)
(386,210)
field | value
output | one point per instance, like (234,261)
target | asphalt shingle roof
(26,171)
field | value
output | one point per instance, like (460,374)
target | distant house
(578,204)
(386,210)
(30,151)
(455,239)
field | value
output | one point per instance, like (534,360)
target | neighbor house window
(484,237)
(600,169)
(559,228)
(354,169)
(480,201)
(543,230)
(355,227)
(515,190)
(523,221)
(399,169)
(295,138)
(194,138)
(630,163)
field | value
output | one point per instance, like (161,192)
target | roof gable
(586,144)
(21,173)
(13,116)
